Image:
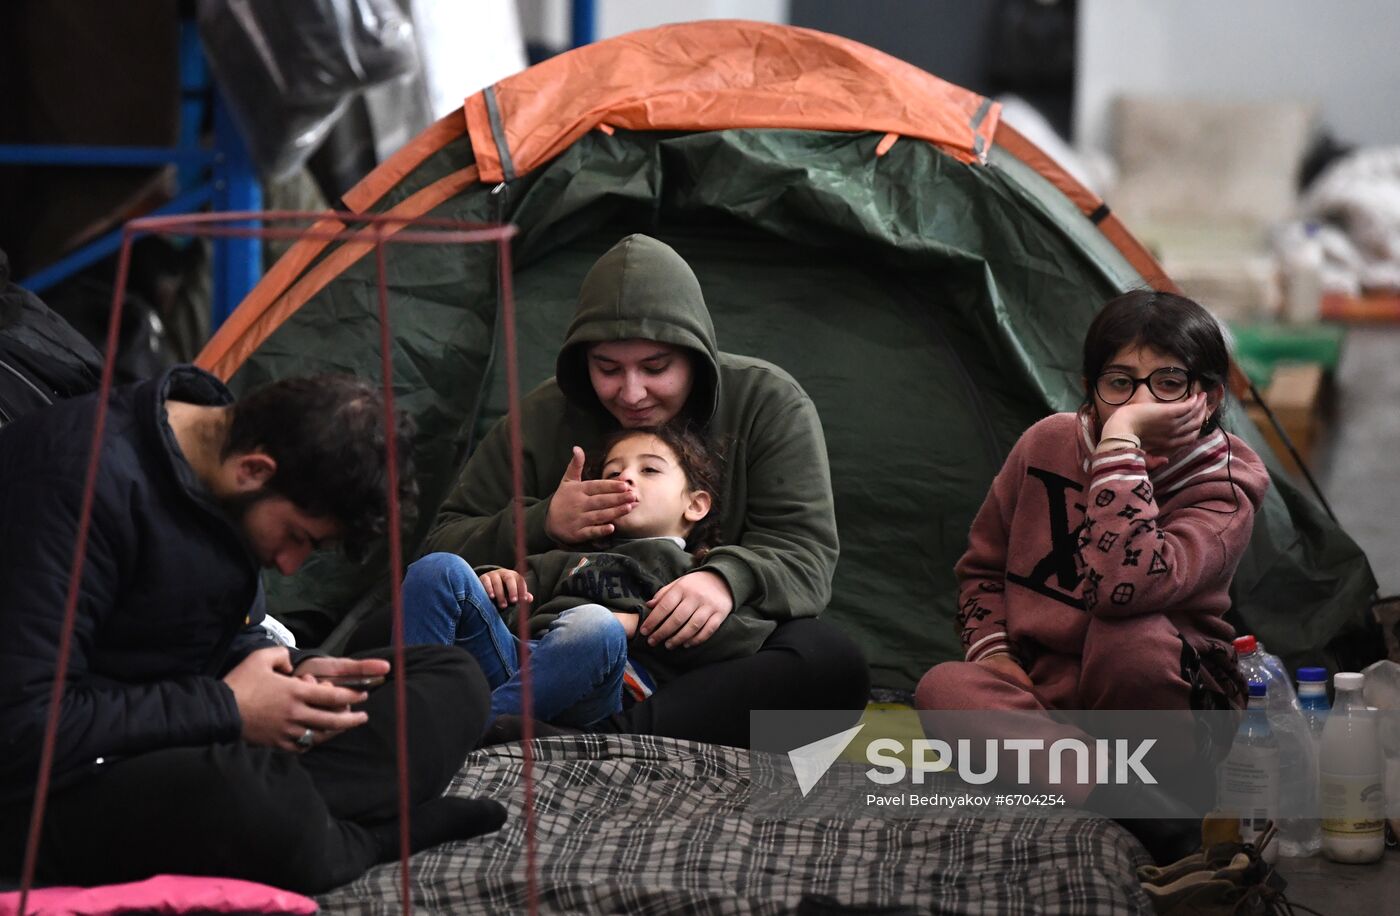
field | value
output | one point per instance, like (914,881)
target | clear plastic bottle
(1280,684)
(1312,699)
(1297,755)
(1352,798)
(1249,778)
(1258,665)
(1303,260)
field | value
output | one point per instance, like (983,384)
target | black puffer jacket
(169,599)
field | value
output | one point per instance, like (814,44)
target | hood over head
(641,289)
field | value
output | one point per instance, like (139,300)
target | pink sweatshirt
(1065,534)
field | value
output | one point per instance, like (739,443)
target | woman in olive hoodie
(641,350)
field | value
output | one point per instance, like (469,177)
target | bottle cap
(1258,689)
(1311,675)
(1348,680)
(1244,645)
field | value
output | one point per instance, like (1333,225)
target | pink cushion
(161,894)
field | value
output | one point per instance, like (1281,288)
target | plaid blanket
(635,824)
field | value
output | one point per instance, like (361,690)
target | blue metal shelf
(135,156)
(221,176)
(583,23)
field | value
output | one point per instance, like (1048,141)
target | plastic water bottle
(1312,699)
(1382,692)
(1258,665)
(1280,684)
(1249,778)
(1353,800)
(1303,260)
(1297,768)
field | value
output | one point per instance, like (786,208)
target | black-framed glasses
(1116,387)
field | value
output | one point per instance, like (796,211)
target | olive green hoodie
(777,520)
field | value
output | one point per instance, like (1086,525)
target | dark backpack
(42,358)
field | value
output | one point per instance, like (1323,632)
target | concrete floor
(1359,472)
(1359,466)
(1350,890)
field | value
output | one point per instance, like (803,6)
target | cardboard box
(1295,396)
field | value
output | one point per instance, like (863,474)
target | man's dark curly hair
(326,433)
(701,463)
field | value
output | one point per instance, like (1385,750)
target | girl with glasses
(1098,569)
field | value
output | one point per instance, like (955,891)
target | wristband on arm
(1127,439)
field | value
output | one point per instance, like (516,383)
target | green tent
(922,270)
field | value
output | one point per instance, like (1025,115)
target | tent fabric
(702,76)
(716,75)
(1090,204)
(932,305)
(263,309)
(258,316)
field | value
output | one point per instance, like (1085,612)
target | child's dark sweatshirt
(623,577)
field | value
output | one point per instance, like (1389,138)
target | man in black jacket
(190,742)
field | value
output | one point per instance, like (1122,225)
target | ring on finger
(306,739)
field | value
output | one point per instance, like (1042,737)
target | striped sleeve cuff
(1125,464)
(992,644)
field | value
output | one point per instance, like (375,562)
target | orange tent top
(709,75)
(716,75)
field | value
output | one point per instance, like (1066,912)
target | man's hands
(505,587)
(584,510)
(324,667)
(1163,428)
(278,706)
(688,610)
(1010,669)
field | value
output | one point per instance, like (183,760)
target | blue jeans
(577,664)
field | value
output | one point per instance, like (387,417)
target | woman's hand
(505,587)
(687,611)
(1163,428)
(584,510)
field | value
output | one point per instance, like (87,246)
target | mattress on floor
(635,824)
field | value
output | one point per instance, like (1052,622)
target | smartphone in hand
(354,681)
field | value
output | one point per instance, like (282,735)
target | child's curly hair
(699,460)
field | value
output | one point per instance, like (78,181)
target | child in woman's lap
(590,604)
